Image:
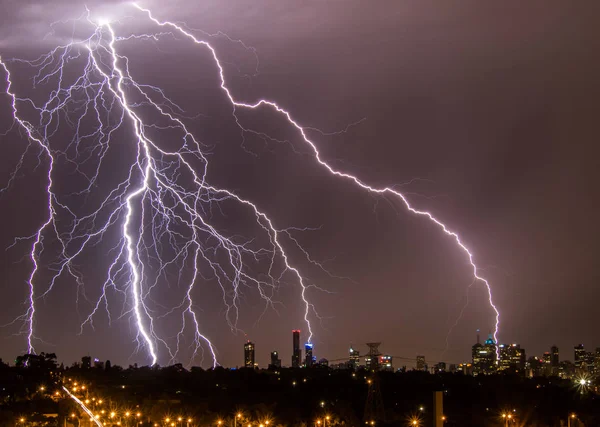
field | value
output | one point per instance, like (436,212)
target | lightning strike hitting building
(161,207)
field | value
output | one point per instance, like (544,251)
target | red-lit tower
(296,351)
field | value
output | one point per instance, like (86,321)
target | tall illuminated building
(547,358)
(296,351)
(353,358)
(512,357)
(597,361)
(554,359)
(484,356)
(308,354)
(249,354)
(579,356)
(421,365)
(275,361)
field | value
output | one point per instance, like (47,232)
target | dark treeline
(291,397)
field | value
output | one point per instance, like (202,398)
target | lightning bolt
(163,205)
(330,169)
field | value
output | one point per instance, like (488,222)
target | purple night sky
(482,114)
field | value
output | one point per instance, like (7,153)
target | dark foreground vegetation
(31,395)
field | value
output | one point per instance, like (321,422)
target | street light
(507,418)
(237,416)
(571,417)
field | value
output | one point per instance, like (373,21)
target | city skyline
(491,356)
(493,133)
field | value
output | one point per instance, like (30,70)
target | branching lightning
(161,208)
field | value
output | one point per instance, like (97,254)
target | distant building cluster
(487,358)
(297,361)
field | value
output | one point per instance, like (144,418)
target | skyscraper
(421,365)
(512,357)
(484,356)
(275,361)
(554,359)
(249,354)
(296,351)
(353,358)
(579,356)
(308,354)
(589,362)
(546,358)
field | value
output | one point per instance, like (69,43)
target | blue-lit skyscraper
(308,350)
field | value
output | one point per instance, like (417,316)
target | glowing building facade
(484,357)
(353,358)
(249,355)
(512,357)
(308,354)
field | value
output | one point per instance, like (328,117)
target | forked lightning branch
(150,207)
